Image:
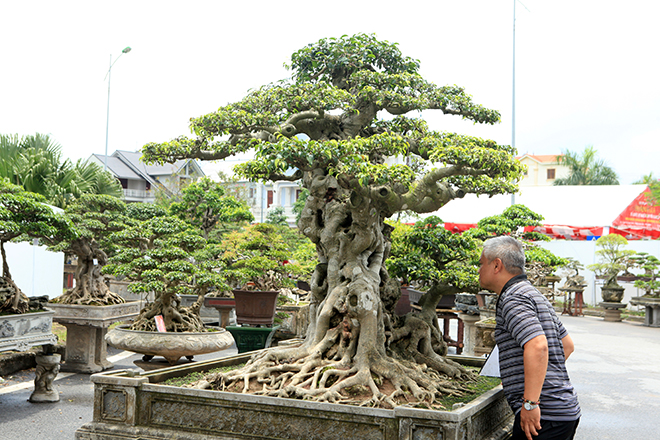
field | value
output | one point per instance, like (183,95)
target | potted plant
(440,263)
(255,261)
(612,260)
(335,97)
(158,255)
(206,206)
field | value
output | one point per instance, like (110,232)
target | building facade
(141,182)
(542,170)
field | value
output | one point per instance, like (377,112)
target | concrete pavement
(616,372)
(615,369)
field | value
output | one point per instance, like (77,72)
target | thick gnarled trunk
(353,340)
(90,288)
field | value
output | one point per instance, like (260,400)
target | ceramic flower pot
(255,307)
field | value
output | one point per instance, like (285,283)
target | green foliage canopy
(338,88)
(204,205)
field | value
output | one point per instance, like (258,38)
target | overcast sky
(586,70)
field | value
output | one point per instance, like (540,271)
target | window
(551,173)
(269,199)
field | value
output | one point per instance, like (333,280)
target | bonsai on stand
(574,285)
(651,285)
(89,308)
(612,262)
(26,322)
(206,206)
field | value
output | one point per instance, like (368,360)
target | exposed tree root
(12,299)
(90,289)
(367,379)
(176,318)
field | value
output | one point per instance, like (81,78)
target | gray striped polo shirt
(523,313)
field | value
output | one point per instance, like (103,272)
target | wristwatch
(530,405)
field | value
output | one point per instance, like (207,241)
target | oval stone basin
(170,345)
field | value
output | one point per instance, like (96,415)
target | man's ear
(498,266)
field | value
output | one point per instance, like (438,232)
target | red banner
(641,214)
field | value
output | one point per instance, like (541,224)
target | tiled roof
(542,158)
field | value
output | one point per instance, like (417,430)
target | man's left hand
(530,422)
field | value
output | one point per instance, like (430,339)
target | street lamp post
(107,120)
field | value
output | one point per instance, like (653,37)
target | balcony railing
(139,194)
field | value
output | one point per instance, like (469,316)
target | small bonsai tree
(573,278)
(517,220)
(442,262)
(24,216)
(205,205)
(255,258)
(157,255)
(612,258)
(97,217)
(649,283)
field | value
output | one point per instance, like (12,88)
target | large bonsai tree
(97,217)
(328,126)
(23,216)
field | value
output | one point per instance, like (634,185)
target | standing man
(533,346)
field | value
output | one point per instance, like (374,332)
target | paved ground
(615,369)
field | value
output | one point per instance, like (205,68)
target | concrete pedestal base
(469,333)
(86,350)
(485,340)
(86,328)
(612,311)
(652,308)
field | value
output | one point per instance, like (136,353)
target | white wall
(584,252)
(35,270)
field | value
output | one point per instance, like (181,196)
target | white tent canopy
(584,205)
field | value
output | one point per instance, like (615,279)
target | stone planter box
(136,406)
(652,309)
(21,332)
(86,327)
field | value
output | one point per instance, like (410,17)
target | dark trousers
(549,430)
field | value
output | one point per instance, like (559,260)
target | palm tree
(35,163)
(654,186)
(586,169)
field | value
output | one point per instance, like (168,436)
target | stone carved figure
(48,366)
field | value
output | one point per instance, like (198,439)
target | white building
(141,181)
(542,170)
